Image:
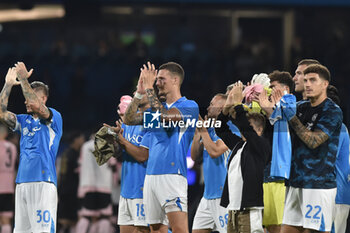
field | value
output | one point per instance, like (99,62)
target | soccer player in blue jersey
(274,187)
(210,216)
(131,213)
(41,131)
(312,187)
(342,166)
(165,188)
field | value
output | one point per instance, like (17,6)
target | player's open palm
(11,77)
(22,72)
(237,93)
(140,88)
(229,100)
(264,101)
(149,74)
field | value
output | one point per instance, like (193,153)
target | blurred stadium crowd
(93,61)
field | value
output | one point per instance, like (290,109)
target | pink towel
(125,100)
(251,90)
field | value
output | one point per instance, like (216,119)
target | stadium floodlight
(36,13)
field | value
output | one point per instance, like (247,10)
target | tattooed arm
(312,139)
(8,117)
(38,107)
(131,116)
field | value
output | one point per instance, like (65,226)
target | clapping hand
(236,94)
(22,72)
(11,77)
(202,128)
(140,88)
(234,98)
(116,128)
(276,94)
(149,74)
(266,104)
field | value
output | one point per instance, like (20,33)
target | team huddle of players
(273,162)
(282,173)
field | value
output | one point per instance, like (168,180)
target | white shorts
(309,208)
(163,194)
(340,218)
(210,215)
(131,212)
(35,207)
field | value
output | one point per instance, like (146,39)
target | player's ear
(44,99)
(175,80)
(287,89)
(326,83)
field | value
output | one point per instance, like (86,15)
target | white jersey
(93,178)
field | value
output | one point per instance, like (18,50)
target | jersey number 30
(45,216)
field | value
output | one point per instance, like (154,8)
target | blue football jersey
(342,166)
(315,168)
(133,172)
(214,171)
(38,147)
(168,145)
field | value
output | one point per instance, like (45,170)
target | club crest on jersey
(25,131)
(314,117)
(36,129)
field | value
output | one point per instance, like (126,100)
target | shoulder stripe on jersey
(17,126)
(226,156)
(52,135)
(182,132)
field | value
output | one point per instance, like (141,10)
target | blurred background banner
(255,2)
(90,52)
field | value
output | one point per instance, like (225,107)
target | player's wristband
(138,96)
